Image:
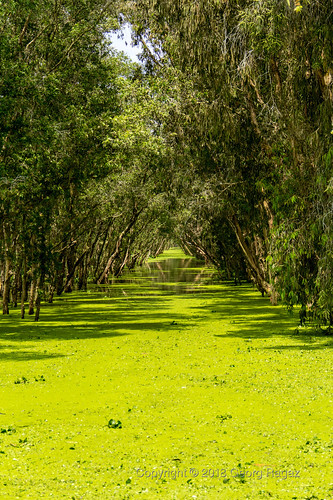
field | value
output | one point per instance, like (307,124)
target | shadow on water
(327,344)
(80,322)
(252,317)
(139,301)
(136,302)
(28,355)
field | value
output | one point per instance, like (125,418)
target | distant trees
(78,152)
(256,131)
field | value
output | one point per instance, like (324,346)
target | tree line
(221,140)
(78,199)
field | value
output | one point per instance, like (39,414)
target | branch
(24,29)
(68,50)
(108,4)
(253,116)
(71,273)
(36,38)
(276,76)
(256,91)
(156,61)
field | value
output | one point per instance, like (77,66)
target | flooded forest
(166,249)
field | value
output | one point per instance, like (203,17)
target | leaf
(114,424)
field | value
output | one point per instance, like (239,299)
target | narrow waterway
(170,275)
(193,374)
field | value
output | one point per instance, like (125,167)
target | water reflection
(169,276)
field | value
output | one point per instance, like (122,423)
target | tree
(56,84)
(264,71)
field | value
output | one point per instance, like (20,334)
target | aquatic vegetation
(158,393)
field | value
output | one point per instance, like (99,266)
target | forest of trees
(220,140)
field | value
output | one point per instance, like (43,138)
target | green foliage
(221,140)
(80,146)
(114,424)
(259,126)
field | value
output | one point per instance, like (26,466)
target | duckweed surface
(164,384)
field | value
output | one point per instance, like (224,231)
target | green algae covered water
(172,273)
(164,384)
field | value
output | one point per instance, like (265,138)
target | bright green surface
(213,380)
(172,253)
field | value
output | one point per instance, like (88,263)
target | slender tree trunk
(68,284)
(39,292)
(160,248)
(60,276)
(71,267)
(38,301)
(15,287)
(24,287)
(71,251)
(51,294)
(6,287)
(32,296)
(83,274)
(117,247)
(123,263)
(7,271)
(250,258)
(99,255)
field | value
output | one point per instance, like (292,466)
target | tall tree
(264,71)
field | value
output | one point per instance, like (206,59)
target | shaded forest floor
(216,395)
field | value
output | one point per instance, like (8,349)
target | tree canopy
(221,140)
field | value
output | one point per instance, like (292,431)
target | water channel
(169,276)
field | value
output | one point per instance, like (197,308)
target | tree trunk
(123,263)
(7,271)
(6,287)
(60,276)
(83,274)
(32,297)
(99,255)
(260,280)
(70,275)
(15,287)
(39,292)
(24,287)
(70,268)
(51,293)
(116,250)
(38,301)
(160,248)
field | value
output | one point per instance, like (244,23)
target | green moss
(215,380)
